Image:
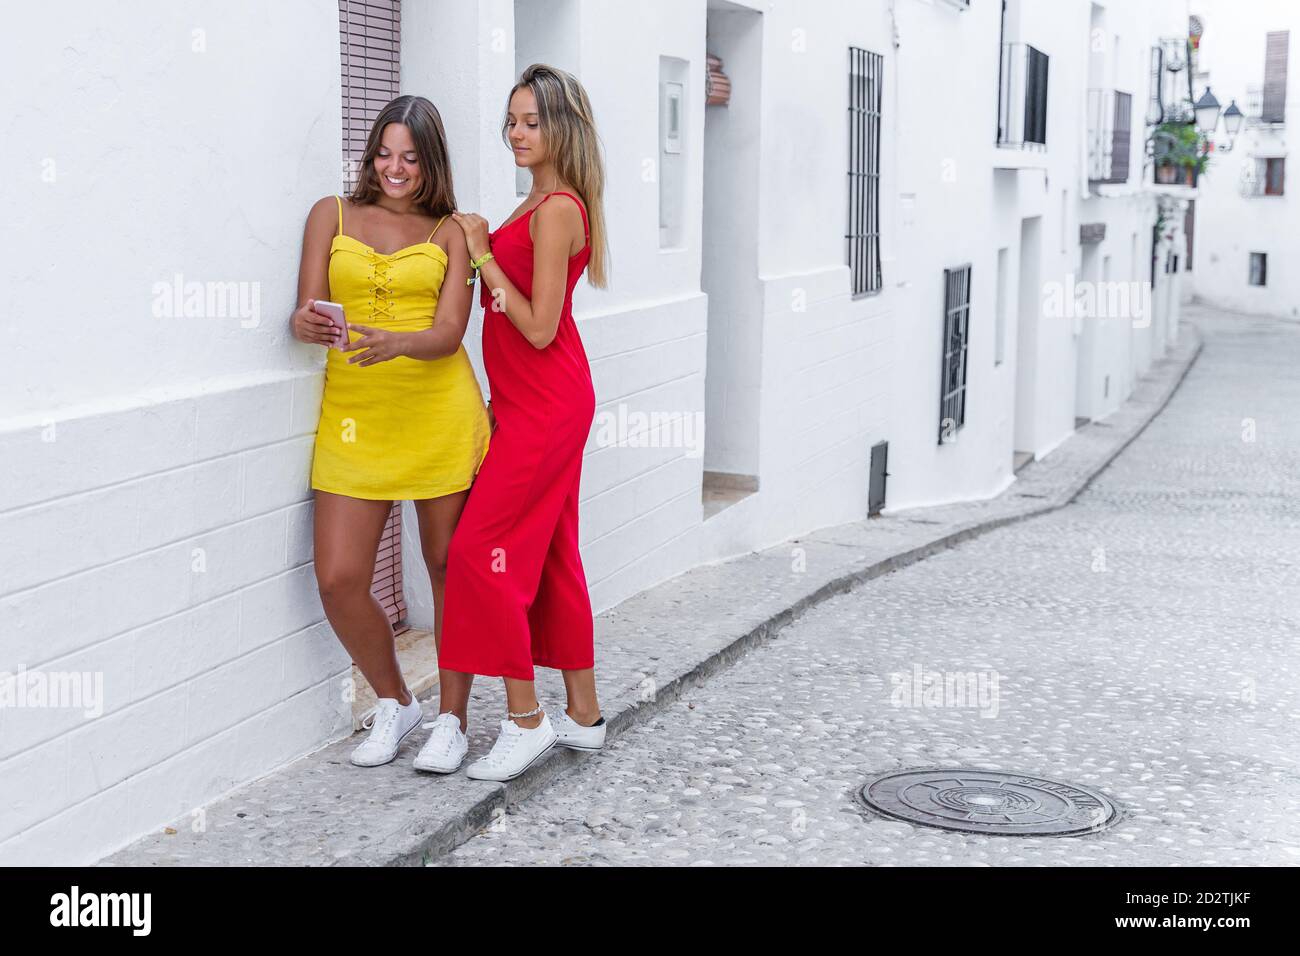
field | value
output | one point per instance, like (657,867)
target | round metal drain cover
(988,801)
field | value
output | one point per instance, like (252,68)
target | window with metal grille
(956,327)
(1155,103)
(369,51)
(862,236)
(370,33)
(1259,268)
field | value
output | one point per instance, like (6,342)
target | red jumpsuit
(516,593)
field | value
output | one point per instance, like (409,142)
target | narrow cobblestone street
(1142,641)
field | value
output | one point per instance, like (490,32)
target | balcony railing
(1265,110)
(1110,135)
(1022,96)
(1265,176)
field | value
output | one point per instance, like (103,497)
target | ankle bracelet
(532,713)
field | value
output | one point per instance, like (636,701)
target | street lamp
(1207,112)
(1232,119)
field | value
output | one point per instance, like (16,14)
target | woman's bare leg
(438,517)
(521,697)
(580,686)
(347,533)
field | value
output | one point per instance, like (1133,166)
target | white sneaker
(569,733)
(390,724)
(515,751)
(445,748)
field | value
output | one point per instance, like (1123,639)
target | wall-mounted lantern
(1232,120)
(1207,112)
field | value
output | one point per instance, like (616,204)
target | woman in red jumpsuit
(516,593)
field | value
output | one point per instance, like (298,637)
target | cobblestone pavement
(1143,640)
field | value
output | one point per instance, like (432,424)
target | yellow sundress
(403,429)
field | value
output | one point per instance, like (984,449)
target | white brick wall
(214,677)
(168,549)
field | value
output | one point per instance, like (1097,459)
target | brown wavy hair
(568,128)
(435,195)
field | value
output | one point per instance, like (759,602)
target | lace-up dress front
(406,428)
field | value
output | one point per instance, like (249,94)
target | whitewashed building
(1247,236)
(857,245)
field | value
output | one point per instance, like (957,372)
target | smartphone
(334,312)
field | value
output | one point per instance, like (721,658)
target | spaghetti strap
(586,229)
(340,202)
(437,227)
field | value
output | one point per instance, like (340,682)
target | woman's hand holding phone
(311,327)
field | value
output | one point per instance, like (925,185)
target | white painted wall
(154,515)
(196,433)
(1230,225)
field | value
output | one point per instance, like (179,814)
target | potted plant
(1181,153)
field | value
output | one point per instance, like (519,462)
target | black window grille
(956,328)
(862,236)
(1155,105)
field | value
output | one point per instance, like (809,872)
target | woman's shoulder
(562,206)
(323,217)
(574,198)
(330,203)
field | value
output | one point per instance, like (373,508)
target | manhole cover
(988,801)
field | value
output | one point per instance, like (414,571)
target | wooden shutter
(1275,56)
(369,50)
(370,33)
(1121,138)
(1274,176)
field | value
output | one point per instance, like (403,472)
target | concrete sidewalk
(320,810)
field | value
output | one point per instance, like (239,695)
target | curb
(419,847)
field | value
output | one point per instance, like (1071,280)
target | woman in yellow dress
(402,417)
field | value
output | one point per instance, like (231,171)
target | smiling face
(523,130)
(397,165)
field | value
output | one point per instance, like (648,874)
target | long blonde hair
(568,128)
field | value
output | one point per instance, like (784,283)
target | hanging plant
(1179,145)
